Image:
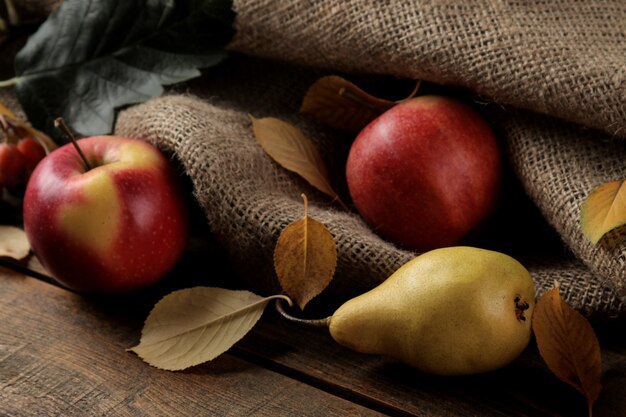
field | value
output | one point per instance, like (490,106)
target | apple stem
(309,322)
(59,123)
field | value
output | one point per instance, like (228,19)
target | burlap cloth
(550,76)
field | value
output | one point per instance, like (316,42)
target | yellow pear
(451,311)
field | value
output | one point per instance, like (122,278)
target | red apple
(425,173)
(118,226)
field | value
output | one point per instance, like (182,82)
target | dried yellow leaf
(305,258)
(13,243)
(288,146)
(604,210)
(568,345)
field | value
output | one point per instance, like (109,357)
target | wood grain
(64,354)
(524,388)
(61,353)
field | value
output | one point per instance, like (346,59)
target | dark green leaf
(93,56)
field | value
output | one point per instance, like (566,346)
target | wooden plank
(524,388)
(64,354)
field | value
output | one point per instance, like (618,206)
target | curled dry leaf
(194,325)
(305,258)
(568,344)
(13,243)
(604,210)
(339,103)
(23,129)
(288,146)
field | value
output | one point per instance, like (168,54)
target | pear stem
(59,123)
(325,322)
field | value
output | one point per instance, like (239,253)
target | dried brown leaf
(305,258)
(568,344)
(288,146)
(194,325)
(13,243)
(339,103)
(604,210)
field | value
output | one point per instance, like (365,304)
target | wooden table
(64,354)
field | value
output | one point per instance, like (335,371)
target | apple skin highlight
(425,173)
(119,226)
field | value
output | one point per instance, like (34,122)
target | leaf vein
(215,320)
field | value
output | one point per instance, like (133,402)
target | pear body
(451,311)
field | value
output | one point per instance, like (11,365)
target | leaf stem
(377,108)
(418,83)
(325,322)
(306,204)
(9,82)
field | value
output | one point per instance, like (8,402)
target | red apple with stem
(426,172)
(113,219)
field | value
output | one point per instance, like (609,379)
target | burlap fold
(559,164)
(562,65)
(565,63)
(562,58)
(248,199)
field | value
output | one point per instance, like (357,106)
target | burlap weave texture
(563,58)
(559,164)
(249,199)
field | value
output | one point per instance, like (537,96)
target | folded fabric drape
(248,198)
